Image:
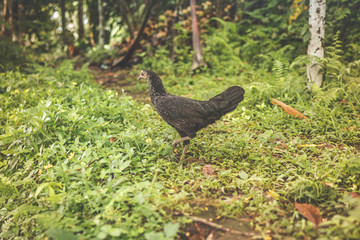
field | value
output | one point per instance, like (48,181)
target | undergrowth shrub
(72,151)
(12,55)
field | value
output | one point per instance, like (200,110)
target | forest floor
(209,225)
(83,160)
(118,80)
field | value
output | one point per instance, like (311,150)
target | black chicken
(187,115)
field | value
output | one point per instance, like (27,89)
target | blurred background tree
(255,32)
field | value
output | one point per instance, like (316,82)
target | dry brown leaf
(161,34)
(289,110)
(208,170)
(355,195)
(343,101)
(196,237)
(199,230)
(113,139)
(310,212)
(210,236)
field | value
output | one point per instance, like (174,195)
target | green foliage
(159,62)
(343,16)
(341,81)
(12,55)
(311,192)
(294,160)
(79,162)
(60,167)
(99,55)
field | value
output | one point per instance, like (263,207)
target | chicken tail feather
(228,100)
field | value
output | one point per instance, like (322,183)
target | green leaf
(154,236)
(243,175)
(356,211)
(170,229)
(40,188)
(60,234)
(140,198)
(124,165)
(115,232)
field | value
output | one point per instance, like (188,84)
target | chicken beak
(142,75)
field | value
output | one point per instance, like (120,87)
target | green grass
(64,176)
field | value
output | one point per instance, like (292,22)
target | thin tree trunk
(20,21)
(219,7)
(3,27)
(124,10)
(80,19)
(91,13)
(132,16)
(198,58)
(317,11)
(8,27)
(173,30)
(101,25)
(11,20)
(63,20)
(134,46)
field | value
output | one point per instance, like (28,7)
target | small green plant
(98,56)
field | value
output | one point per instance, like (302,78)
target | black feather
(187,115)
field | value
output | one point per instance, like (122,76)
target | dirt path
(120,80)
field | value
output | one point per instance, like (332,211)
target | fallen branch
(220,227)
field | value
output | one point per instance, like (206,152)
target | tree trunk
(93,19)
(20,24)
(134,46)
(317,11)
(3,27)
(8,27)
(173,30)
(197,59)
(80,19)
(101,25)
(63,20)
(219,7)
(124,10)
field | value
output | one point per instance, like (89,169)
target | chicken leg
(175,142)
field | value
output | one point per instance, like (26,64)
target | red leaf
(310,212)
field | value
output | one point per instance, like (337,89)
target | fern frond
(300,61)
(354,65)
(278,69)
(335,50)
(326,97)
